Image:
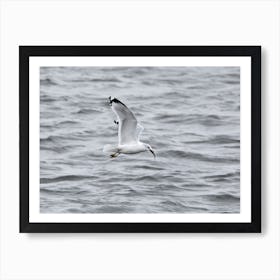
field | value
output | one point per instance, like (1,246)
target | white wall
(139,256)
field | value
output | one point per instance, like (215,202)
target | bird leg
(115,155)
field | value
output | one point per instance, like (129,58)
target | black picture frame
(25,52)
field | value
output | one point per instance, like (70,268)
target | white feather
(129,130)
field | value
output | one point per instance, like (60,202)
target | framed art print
(140,138)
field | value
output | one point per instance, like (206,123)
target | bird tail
(110,148)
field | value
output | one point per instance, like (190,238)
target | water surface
(190,117)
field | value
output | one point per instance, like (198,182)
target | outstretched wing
(139,130)
(127,122)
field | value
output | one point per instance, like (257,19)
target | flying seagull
(129,132)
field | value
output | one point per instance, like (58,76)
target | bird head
(149,148)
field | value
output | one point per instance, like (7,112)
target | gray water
(190,117)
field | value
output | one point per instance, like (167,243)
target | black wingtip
(115,100)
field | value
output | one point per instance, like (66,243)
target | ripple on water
(191,119)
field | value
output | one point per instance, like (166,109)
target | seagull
(129,132)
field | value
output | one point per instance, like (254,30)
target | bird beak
(152,152)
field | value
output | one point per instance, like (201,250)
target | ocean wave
(148,167)
(48,82)
(66,123)
(225,175)
(178,206)
(198,156)
(56,149)
(66,178)
(197,87)
(148,178)
(231,82)
(175,94)
(58,139)
(52,139)
(223,139)
(168,117)
(219,139)
(61,191)
(148,83)
(86,111)
(205,120)
(170,81)
(222,197)
(234,76)
(46,98)
(210,120)
(49,139)
(96,80)
(140,70)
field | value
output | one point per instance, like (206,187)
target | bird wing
(139,130)
(127,122)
